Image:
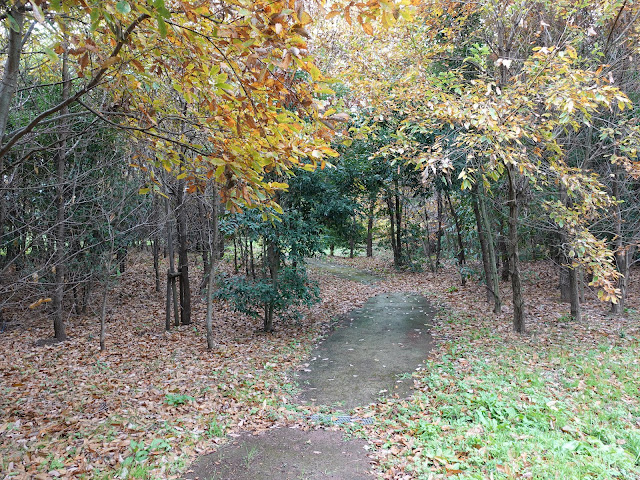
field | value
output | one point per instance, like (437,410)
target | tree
(121,66)
(277,280)
(519,87)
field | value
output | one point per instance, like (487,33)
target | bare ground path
(370,354)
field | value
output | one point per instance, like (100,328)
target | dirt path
(371,354)
(343,271)
(286,454)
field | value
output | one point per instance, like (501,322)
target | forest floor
(558,402)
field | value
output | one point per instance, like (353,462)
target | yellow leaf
(314,71)
(110,61)
(39,302)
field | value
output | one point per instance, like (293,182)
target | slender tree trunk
(247,261)
(439,234)
(573,270)
(623,261)
(504,252)
(167,319)
(155,241)
(461,257)
(273,258)
(103,315)
(518,302)
(563,281)
(427,243)
(370,230)
(352,239)
(60,231)
(574,290)
(209,318)
(172,294)
(398,206)
(86,292)
(235,252)
(156,262)
(483,245)
(213,243)
(183,258)
(11,69)
(105,295)
(122,258)
(394,243)
(491,252)
(252,260)
(623,256)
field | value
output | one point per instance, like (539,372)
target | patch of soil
(286,454)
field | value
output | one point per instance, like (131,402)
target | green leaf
(53,56)
(13,24)
(162,9)
(95,18)
(123,7)
(162,26)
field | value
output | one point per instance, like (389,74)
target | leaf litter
(156,400)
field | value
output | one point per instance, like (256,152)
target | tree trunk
(623,255)
(623,262)
(370,230)
(573,270)
(426,244)
(563,281)
(167,310)
(11,69)
(122,258)
(352,239)
(504,253)
(268,317)
(398,223)
(209,317)
(574,291)
(491,252)
(252,260)
(172,294)
(461,257)
(483,245)
(213,245)
(183,259)
(514,261)
(235,252)
(105,295)
(439,234)
(7,91)
(60,231)
(394,243)
(156,262)
(273,257)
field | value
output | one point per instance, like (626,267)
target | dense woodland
(508,134)
(228,142)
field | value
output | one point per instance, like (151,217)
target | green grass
(522,411)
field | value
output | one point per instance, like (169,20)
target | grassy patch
(522,409)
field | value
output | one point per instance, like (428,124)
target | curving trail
(369,355)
